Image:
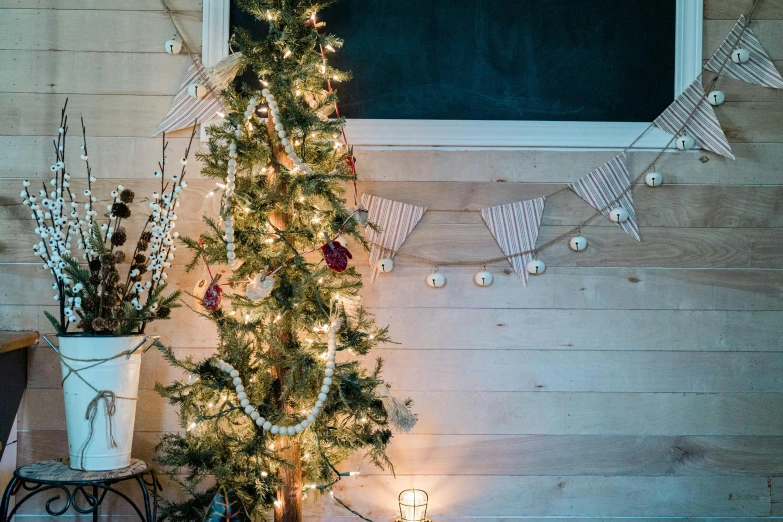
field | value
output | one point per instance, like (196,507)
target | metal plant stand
(84,491)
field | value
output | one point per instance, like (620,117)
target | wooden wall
(631,380)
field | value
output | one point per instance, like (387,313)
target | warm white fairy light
(267,425)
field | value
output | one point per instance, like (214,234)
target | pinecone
(146,236)
(140,259)
(126,196)
(119,237)
(164,312)
(95,265)
(119,256)
(120,210)
(98,324)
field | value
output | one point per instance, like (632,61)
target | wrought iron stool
(93,485)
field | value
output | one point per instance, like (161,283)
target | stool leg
(146,494)
(5,505)
(95,511)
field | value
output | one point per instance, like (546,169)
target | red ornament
(336,256)
(212,296)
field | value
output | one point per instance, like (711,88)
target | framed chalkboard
(538,73)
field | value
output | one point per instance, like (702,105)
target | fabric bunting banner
(515,227)
(759,69)
(396,221)
(185,109)
(605,189)
(702,125)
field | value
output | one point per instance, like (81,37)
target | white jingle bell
(173,46)
(740,55)
(653,179)
(618,215)
(578,243)
(260,288)
(684,142)
(360,214)
(483,278)
(436,280)
(536,266)
(384,265)
(196,90)
(716,97)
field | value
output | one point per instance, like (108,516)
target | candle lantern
(413,506)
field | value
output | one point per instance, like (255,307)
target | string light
(287,53)
(278,503)
(192,426)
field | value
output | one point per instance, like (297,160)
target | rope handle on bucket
(107,396)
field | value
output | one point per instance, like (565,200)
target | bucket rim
(96,336)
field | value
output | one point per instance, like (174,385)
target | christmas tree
(271,415)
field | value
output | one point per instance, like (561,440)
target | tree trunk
(290,495)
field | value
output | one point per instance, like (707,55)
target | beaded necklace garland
(267,425)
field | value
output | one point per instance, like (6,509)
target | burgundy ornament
(212,296)
(336,256)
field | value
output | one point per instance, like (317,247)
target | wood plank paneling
(523,455)
(109,31)
(71,72)
(731,9)
(536,166)
(513,413)
(29,157)
(630,381)
(109,5)
(38,114)
(526,369)
(559,288)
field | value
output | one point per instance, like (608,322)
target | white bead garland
(274,113)
(266,425)
(231,177)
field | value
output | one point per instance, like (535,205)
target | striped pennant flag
(515,227)
(759,69)
(602,189)
(186,109)
(396,221)
(692,113)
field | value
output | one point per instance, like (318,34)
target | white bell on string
(578,243)
(653,179)
(716,97)
(684,142)
(436,280)
(360,214)
(196,90)
(260,287)
(536,267)
(173,46)
(619,215)
(384,265)
(740,55)
(483,278)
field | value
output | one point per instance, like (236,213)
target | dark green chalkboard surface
(565,60)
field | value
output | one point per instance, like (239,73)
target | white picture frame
(478,134)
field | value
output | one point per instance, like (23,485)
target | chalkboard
(546,60)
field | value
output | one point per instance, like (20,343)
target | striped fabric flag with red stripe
(602,189)
(396,221)
(186,109)
(515,227)
(693,114)
(759,69)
